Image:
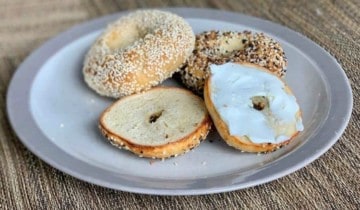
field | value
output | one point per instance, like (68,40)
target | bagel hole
(230,45)
(260,102)
(118,39)
(155,116)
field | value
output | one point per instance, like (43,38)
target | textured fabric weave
(332,181)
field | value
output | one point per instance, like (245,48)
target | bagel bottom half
(160,123)
(244,143)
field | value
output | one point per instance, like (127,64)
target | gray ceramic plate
(55,115)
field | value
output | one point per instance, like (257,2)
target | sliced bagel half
(160,123)
(252,109)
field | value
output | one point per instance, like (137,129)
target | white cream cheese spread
(254,103)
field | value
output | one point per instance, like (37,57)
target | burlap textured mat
(332,181)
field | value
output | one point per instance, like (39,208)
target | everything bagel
(214,47)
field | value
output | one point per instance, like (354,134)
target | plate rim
(28,69)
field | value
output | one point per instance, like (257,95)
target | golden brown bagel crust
(240,143)
(214,47)
(171,149)
(154,46)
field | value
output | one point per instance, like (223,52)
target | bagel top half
(252,109)
(219,47)
(138,51)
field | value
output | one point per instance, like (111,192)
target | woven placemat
(332,181)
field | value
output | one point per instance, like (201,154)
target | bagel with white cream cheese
(252,108)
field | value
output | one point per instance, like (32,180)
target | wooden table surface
(332,181)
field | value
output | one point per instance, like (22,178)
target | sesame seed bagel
(252,109)
(137,52)
(160,123)
(214,47)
